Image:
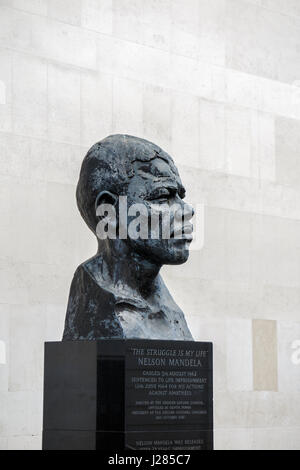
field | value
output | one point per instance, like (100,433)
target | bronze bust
(119,293)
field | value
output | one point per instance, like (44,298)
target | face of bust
(157,186)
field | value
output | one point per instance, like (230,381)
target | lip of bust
(184,232)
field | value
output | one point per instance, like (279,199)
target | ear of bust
(105,197)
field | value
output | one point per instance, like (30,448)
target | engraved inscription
(169,386)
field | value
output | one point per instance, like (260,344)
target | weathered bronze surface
(119,293)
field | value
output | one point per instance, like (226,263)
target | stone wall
(214,82)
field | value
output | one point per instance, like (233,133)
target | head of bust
(123,165)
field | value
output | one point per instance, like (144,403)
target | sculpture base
(128,395)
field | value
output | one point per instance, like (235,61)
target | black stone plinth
(128,394)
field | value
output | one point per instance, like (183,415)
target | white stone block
(289,356)
(29,79)
(127,20)
(29,96)
(30,120)
(129,60)
(97,15)
(207,304)
(67,210)
(127,107)
(6,23)
(2,353)
(64,246)
(237,245)
(263,94)
(244,300)
(5,90)
(96,107)
(185,124)
(239,193)
(243,89)
(55,320)
(64,104)
(158,38)
(4,347)
(27,327)
(2,93)
(69,240)
(156,12)
(212,33)
(239,363)
(21,414)
(156,19)
(212,136)
(188,74)
(24,443)
(184,43)
(288,7)
(287,151)
(281,438)
(157,116)
(273,245)
(279,98)
(13,282)
(48,284)
(238,141)
(256,300)
(279,200)
(187,18)
(5,188)
(15,157)
(145,23)
(267,36)
(3,444)
(68,11)
(256,409)
(54,161)
(263,162)
(32,224)
(37,7)
(85,243)
(48,38)
(243,248)
(157,67)
(6,118)
(233,438)
(212,331)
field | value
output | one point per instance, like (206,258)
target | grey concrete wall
(214,82)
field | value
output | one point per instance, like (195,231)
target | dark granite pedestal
(128,394)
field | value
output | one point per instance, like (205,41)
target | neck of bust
(128,268)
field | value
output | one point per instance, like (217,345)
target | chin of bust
(175,257)
(180,258)
(162,254)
